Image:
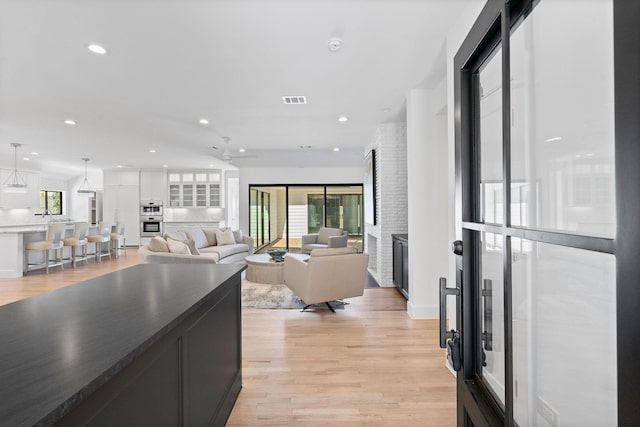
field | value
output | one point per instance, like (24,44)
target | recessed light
(33,153)
(204,121)
(386,110)
(589,154)
(242,150)
(70,122)
(119,166)
(336,149)
(212,166)
(343,119)
(26,158)
(152,151)
(165,166)
(96,48)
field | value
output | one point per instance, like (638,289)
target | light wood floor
(367,365)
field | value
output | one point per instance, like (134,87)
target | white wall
(428,207)
(269,176)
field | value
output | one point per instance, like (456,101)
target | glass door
(543,139)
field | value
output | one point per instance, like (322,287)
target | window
(51,201)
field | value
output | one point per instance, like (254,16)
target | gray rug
(260,295)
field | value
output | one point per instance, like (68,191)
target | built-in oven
(151,208)
(150,226)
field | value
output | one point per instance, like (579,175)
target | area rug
(260,295)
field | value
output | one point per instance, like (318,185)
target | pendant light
(15,183)
(85,189)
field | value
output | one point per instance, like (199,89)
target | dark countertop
(58,347)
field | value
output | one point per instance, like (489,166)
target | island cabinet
(154,344)
(401,263)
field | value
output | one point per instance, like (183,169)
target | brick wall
(390,143)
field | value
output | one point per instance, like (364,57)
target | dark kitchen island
(152,344)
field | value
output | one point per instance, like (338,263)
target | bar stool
(78,239)
(116,235)
(53,242)
(101,240)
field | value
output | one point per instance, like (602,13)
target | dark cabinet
(401,263)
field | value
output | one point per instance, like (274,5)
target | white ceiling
(172,62)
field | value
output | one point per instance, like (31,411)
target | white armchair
(328,275)
(326,238)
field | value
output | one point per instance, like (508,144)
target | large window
(50,202)
(281,214)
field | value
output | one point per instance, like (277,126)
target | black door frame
(492,27)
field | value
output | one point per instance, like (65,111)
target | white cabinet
(28,200)
(153,185)
(194,189)
(121,202)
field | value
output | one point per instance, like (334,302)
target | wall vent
(294,100)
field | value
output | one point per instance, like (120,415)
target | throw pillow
(198,237)
(237,235)
(193,248)
(225,237)
(177,247)
(210,234)
(176,235)
(158,244)
(325,233)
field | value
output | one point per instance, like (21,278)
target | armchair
(328,275)
(326,238)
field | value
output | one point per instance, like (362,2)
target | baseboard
(423,311)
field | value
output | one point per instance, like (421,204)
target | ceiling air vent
(294,99)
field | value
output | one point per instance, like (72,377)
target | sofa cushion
(313,246)
(210,234)
(227,250)
(176,235)
(237,236)
(192,246)
(333,251)
(324,233)
(198,237)
(158,244)
(225,237)
(177,247)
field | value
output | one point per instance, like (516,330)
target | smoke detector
(335,44)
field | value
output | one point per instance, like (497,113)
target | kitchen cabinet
(194,189)
(28,200)
(153,185)
(401,263)
(121,202)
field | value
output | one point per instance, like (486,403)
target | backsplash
(194,214)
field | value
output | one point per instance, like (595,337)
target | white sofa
(198,245)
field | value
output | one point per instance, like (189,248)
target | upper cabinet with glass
(199,189)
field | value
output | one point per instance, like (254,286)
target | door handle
(444,292)
(449,339)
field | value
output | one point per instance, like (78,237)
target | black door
(547,171)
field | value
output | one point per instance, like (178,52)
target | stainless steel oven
(151,208)
(150,226)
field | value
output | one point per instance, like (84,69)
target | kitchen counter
(135,345)
(12,243)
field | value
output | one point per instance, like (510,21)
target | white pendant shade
(15,183)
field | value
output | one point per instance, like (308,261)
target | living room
(141,103)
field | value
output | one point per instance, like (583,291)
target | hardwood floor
(369,364)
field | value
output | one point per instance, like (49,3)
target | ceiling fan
(226,156)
